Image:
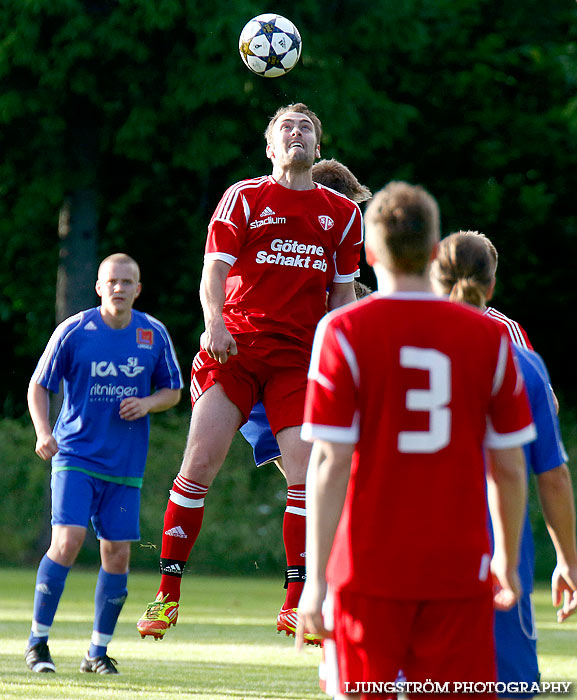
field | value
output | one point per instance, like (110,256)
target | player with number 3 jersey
(406,391)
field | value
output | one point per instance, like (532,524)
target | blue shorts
(114,509)
(257,432)
(516,643)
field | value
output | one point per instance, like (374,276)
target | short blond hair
(402,223)
(123,259)
(300,108)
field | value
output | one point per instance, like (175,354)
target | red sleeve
(349,250)
(510,419)
(331,411)
(526,338)
(227,228)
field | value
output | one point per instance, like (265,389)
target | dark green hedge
(242,524)
(244,508)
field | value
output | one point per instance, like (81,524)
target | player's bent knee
(202,471)
(66,543)
(115,556)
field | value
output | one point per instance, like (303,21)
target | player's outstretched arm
(341,293)
(38,406)
(133,408)
(507,494)
(327,480)
(557,500)
(216,340)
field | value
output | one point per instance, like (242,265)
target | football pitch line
(224,646)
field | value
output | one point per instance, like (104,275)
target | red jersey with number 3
(420,385)
(286,247)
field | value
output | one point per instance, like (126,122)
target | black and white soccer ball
(270,45)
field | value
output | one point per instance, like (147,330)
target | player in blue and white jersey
(116,365)
(464,268)
(515,630)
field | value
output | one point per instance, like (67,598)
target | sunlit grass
(557,644)
(224,645)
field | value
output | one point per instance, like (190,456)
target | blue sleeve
(166,374)
(55,360)
(547,451)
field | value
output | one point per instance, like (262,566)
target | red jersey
(420,385)
(516,331)
(285,247)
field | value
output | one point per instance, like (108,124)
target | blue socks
(50,580)
(109,597)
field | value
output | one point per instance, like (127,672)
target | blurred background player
(108,358)
(401,388)
(332,173)
(464,269)
(517,333)
(275,245)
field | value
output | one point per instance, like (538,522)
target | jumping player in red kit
(406,391)
(275,245)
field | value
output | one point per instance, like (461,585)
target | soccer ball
(270,45)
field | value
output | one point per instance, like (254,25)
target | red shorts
(266,369)
(442,641)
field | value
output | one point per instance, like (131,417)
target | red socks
(294,536)
(182,523)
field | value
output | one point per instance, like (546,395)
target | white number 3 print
(434,400)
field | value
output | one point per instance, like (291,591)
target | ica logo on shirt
(114,390)
(109,369)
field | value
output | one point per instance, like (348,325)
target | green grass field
(224,645)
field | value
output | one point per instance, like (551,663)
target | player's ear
(318,151)
(269,151)
(434,251)
(369,255)
(138,290)
(98,288)
(491,290)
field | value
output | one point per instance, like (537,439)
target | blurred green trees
(474,99)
